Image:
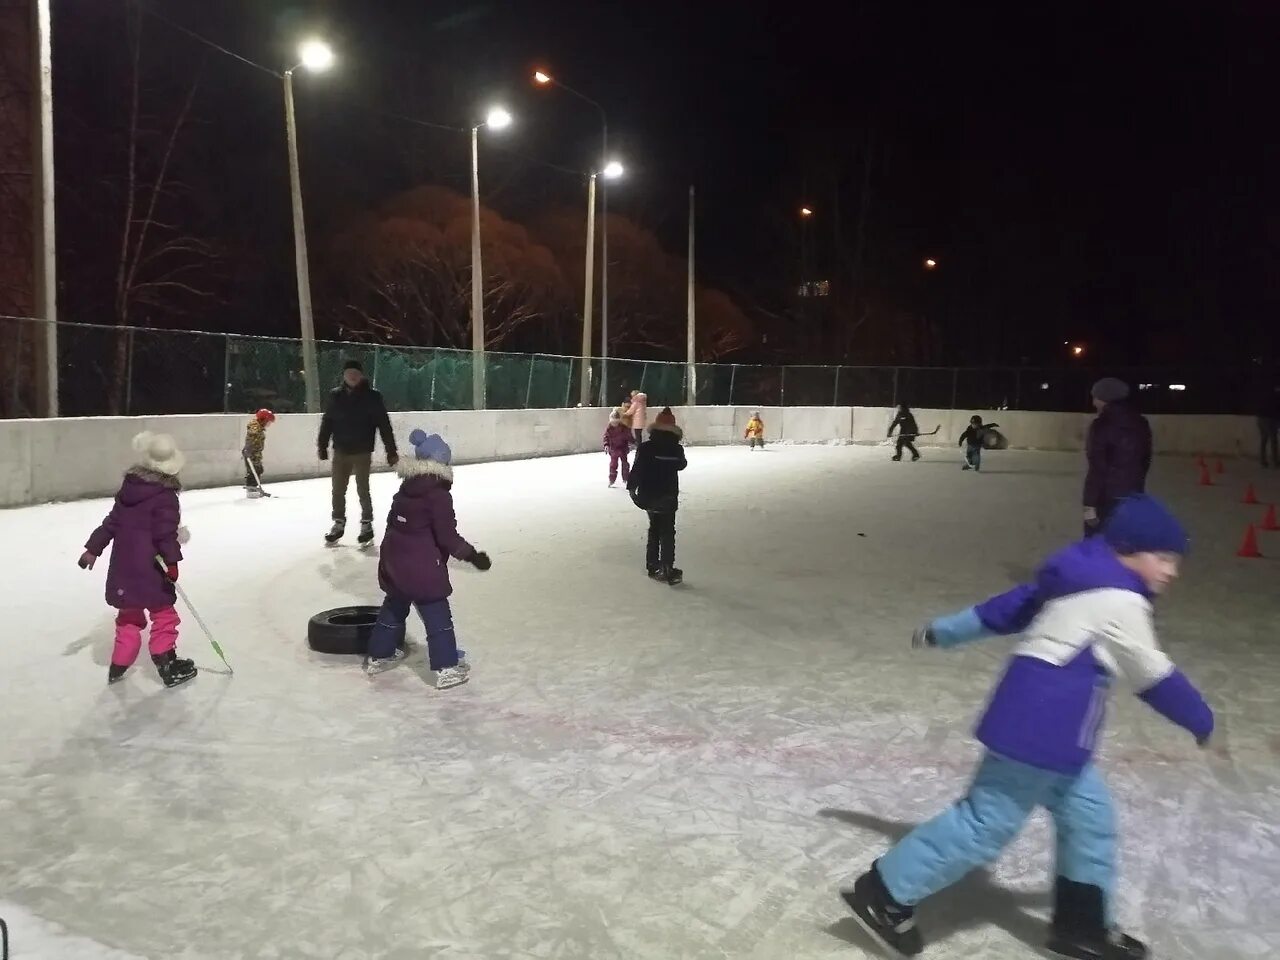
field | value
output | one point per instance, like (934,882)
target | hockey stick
(909,436)
(256,479)
(164,568)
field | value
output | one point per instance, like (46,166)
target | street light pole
(477,282)
(310,371)
(44,258)
(584,392)
(692,388)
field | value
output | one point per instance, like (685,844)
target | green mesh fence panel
(507,380)
(865,387)
(926,387)
(264,373)
(713,380)
(664,384)
(810,386)
(403,377)
(551,380)
(451,380)
(758,386)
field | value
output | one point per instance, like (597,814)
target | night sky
(1092,172)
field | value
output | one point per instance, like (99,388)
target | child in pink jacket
(617,443)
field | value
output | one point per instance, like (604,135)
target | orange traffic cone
(1219,468)
(1249,546)
(1205,479)
(1269,521)
(1249,496)
(1199,459)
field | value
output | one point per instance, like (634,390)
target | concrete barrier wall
(63,459)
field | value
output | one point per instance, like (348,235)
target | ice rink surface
(635,771)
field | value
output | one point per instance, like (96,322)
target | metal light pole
(45,283)
(692,380)
(545,79)
(584,393)
(496,119)
(317,57)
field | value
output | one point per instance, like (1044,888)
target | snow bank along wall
(63,459)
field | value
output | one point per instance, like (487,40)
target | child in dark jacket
(908,430)
(1085,619)
(422,534)
(617,443)
(255,444)
(655,488)
(972,441)
(144,523)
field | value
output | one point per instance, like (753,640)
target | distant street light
(930,263)
(1077,350)
(806,212)
(496,119)
(315,56)
(542,78)
(613,170)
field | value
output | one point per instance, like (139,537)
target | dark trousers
(249,480)
(1269,437)
(905,443)
(661,550)
(437,617)
(344,466)
(639,432)
(973,455)
(752,441)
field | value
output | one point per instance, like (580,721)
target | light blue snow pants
(978,826)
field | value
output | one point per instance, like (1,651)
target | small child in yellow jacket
(755,431)
(255,443)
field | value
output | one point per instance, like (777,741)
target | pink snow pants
(616,459)
(129,624)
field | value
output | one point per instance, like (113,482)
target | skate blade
(178,683)
(885,948)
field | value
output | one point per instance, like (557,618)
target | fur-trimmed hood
(671,428)
(148,475)
(410,467)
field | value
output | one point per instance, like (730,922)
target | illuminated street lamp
(806,212)
(612,170)
(315,56)
(496,119)
(930,263)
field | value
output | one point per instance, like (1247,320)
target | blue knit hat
(1142,524)
(430,447)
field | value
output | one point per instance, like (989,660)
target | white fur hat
(158,452)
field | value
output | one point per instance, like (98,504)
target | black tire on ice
(343,630)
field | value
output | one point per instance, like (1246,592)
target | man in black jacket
(655,488)
(353,414)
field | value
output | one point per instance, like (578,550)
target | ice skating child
(422,534)
(617,443)
(908,430)
(755,431)
(1086,618)
(255,444)
(145,523)
(972,440)
(655,488)
(637,413)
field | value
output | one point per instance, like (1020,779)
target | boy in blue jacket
(1086,619)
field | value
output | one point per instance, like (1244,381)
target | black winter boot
(172,670)
(1079,926)
(115,672)
(366,533)
(889,922)
(335,534)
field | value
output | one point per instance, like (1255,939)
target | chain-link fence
(138,371)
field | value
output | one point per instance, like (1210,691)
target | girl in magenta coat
(143,525)
(617,443)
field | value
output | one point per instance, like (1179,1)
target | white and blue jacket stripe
(1086,619)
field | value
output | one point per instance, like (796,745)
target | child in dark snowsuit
(1086,619)
(617,443)
(422,534)
(255,444)
(144,523)
(972,440)
(655,488)
(908,430)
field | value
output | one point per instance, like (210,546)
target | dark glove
(244,453)
(481,561)
(393,458)
(86,560)
(171,571)
(323,453)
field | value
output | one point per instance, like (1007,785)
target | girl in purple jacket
(422,534)
(144,524)
(617,443)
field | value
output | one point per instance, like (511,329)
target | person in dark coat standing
(145,523)
(908,430)
(1269,427)
(422,534)
(1118,450)
(655,488)
(353,415)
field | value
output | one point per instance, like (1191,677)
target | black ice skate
(1079,926)
(673,576)
(334,535)
(115,673)
(173,670)
(892,924)
(366,533)
(655,574)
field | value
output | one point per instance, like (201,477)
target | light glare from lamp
(540,77)
(613,170)
(497,119)
(316,55)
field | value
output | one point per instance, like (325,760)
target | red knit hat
(265,416)
(666,418)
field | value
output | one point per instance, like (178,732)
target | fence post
(835,390)
(895,386)
(434,362)
(782,388)
(528,389)
(955,379)
(226,373)
(376,356)
(128,377)
(733,375)
(1017,389)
